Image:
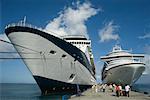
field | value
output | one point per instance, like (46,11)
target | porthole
(63,56)
(52,52)
(72,76)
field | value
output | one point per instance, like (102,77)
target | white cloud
(5,47)
(147,49)
(147,58)
(107,32)
(147,62)
(146,36)
(4,37)
(147,53)
(71,21)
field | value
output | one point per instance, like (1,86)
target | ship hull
(55,64)
(50,86)
(124,74)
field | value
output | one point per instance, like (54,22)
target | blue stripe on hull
(50,86)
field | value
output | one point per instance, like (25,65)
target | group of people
(120,90)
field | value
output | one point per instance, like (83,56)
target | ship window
(52,52)
(64,55)
(136,60)
(86,42)
(74,54)
(71,76)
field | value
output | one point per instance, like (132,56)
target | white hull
(124,74)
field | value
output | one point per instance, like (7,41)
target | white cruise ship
(122,67)
(58,64)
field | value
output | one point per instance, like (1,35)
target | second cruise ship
(122,67)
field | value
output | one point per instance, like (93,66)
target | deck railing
(24,25)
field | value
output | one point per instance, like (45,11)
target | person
(117,90)
(114,87)
(120,92)
(104,87)
(111,87)
(127,89)
(96,88)
(78,90)
(123,90)
(93,88)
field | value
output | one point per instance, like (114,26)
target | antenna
(117,42)
(130,50)
(24,20)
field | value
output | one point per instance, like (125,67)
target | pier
(91,94)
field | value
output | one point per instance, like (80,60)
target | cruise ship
(59,64)
(122,67)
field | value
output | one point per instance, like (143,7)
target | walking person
(104,87)
(111,88)
(127,89)
(120,92)
(114,87)
(78,90)
(96,88)
(117,90)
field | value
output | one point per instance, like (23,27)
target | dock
(90,94)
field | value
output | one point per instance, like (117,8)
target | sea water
(143,88)
(143,84)
(12,91)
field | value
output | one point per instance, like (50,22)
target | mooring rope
(19,45)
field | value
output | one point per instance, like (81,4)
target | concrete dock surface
(91,94)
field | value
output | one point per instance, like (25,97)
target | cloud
(147,62)
(4,37)
(147,59)
(146,36)
(107,32)
(71,21)
(147,49)
(5,47)
(147,53)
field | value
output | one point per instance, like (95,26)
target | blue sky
(109,21)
